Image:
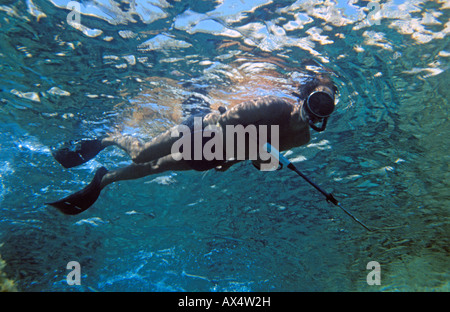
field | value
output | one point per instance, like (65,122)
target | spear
(329,197)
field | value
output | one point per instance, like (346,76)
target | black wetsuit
(268,110)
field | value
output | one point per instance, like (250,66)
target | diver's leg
(129,144)
(141,152)
(161,145)
(136,171)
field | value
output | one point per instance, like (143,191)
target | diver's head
(317,100)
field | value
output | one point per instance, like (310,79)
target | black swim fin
(81,200)
(73,154)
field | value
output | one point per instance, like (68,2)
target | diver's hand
(226,165)
(221,168)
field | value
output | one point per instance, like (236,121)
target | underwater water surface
(88,68)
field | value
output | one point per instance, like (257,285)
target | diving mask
(319,106)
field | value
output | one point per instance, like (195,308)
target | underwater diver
(316,102)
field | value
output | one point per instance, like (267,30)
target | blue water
(128,66)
